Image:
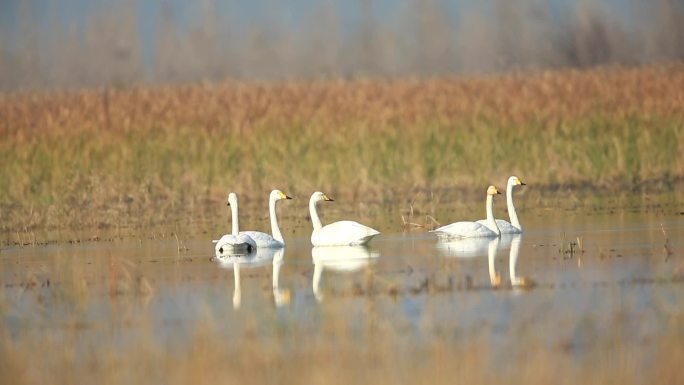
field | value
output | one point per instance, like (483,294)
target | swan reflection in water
(475,247)
(256,258)
(517,281)
(347,259)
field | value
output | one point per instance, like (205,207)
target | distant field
(116,157)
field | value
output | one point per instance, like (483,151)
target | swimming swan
(234,242)
(265,240)
(514,226)
(342,233)
(473,229)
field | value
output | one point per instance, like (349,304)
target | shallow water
(583,281)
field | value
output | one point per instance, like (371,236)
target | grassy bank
(113,157)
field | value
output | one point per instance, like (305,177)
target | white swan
(265,240)
(514,226)
(342,233)
(473,229)
(234,242)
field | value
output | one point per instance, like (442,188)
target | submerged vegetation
(130,157)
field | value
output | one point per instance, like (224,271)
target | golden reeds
(139,156)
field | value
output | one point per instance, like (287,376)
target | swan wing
(263,240)
(504,226)
(464,230)
(343,233)
(231,244)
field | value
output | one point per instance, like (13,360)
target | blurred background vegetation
(113,109)
(76,43)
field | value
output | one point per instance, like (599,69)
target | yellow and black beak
(284,196)
(327,198)
(522,183)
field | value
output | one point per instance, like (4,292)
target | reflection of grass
(341,350)
(122,157)
(75,331)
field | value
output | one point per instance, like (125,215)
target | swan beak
(327,198)
(284,196)
(521,182)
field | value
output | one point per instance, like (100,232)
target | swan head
(277,195)
(232,199)
(319,196)
(491,190)
(515,181)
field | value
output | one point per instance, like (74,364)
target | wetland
(110,198)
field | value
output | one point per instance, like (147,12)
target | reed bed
(121,157)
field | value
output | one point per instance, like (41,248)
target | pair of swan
(342,233)
(490,227)
(248,241)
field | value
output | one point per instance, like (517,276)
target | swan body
(514,226)
(466,229)
(264,240)
(235,242)
(342,233)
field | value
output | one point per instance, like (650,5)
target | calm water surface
(574,280)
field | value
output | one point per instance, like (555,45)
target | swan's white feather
(343,233)
(263,240)
(229,244)
(504,226)
(465,230)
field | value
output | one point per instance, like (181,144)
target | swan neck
(315,220)
(275,230)
(234,219)
(511,208)
(491,223)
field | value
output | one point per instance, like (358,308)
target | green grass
(67,161)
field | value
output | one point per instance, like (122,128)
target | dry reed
(119,158)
